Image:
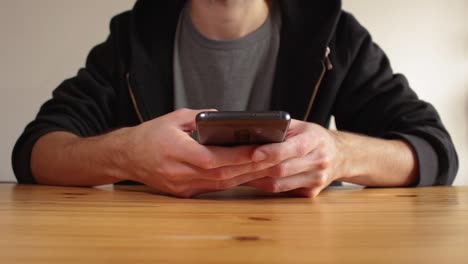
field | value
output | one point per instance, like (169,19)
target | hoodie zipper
(132,96)
(326,66)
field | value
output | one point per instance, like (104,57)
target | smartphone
(231,128)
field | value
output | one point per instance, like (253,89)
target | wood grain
(41,224)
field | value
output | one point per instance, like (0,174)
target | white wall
(427,40)
(43,42)
(46,41)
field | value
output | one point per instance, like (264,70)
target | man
(115,121)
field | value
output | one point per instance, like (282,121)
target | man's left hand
(304,164)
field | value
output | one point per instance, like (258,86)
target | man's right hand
(159,153)
(162,154)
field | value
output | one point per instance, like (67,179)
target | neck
(228,19)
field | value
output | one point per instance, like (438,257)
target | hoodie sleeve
(81,105)
(376,102)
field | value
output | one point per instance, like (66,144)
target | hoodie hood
(306,31)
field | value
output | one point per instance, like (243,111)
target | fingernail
(259,156)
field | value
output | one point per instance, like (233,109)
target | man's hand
(161,154)
(307,162)
(312,157)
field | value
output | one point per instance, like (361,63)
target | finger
(195,187)
(185,180)
(203,185)
(298,145)
(302,192)
(210,157)
(184,171)
(184,148)
(185,118)
(313,161)
(308,192)
(253,170)
(206,157)
(278,185)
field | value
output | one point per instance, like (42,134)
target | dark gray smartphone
(230,128)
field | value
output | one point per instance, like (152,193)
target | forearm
(61,158)
(375,162)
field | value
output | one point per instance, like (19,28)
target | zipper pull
(328,62)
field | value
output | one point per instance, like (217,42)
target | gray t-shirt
(227,75)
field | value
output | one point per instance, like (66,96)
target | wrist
(117,157)
(342,168)
(374,162)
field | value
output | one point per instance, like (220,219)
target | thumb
(186,117)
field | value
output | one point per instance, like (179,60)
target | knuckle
(205,161)
(308,193)
(277,155)
(274,186)
(302,148)
(174,189)
(172,177)
(324,163)
(277,187)
(223,185)
(180,191)
(221,173)
(259,166)
(182,111)
(280,170)
(323,153)
(177,113)
(253,167)
(167,174)
(238,155)
(321,179)
(183,194)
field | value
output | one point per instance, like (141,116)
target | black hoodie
(327,65)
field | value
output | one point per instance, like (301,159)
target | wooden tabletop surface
(40,224)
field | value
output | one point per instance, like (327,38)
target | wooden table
(40,224)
